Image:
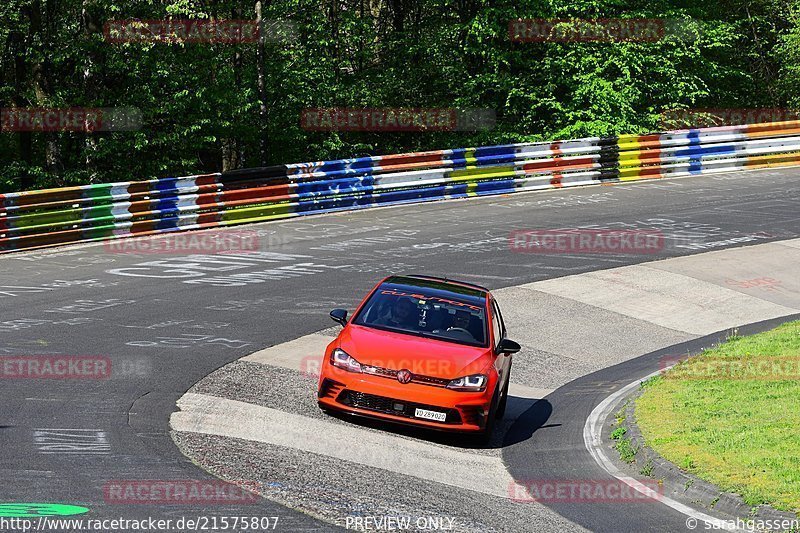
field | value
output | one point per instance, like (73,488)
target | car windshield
(426,312)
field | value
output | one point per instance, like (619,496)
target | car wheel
(485,435)
(501,408)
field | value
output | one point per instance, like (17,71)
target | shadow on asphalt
(528,422)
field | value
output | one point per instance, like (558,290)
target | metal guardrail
(116,210)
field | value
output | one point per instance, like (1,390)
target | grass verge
(731,416)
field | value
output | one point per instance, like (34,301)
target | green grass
(623,445)
(740,433)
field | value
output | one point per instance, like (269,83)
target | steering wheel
(460,330)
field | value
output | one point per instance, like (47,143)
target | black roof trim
(445,280)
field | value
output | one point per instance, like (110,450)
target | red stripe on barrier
(209,219)
(138,187)
(652,153)
(207,179)
(555,181)
(561,164)
(143,226)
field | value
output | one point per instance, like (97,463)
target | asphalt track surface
(167,321)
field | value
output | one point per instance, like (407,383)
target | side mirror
(339,316)
(508,346)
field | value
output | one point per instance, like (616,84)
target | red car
(421,350)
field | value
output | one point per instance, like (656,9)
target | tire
(484,436)
(501,408)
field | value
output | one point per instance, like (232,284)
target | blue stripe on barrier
(337,186)
(695,165)
(166,205)
(354,165)
(168,221)
(459,158)
(166,184)
(696,151)
(719,149)
(494,185)
(501,152)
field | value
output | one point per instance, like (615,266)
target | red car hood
(422,356)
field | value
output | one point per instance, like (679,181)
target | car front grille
(415,378)
(390,406)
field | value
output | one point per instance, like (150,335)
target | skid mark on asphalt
(229,418)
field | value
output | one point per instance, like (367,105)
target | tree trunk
(90,26)
(263,144)
(40,77)
(231,145)
(25,138)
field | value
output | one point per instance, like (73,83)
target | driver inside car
(459,327)
(401,315)
(460,321)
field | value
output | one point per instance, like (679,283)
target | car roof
(440,284)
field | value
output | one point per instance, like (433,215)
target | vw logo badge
(404,376)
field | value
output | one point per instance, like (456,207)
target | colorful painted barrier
(115,210)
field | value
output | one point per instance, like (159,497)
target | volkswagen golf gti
(421,350)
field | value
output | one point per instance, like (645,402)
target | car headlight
(473,383)
(341,359)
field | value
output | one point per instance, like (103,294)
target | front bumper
(388,399)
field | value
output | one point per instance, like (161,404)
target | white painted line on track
(592,438)
(449,466)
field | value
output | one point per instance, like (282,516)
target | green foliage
(649,382)
(201,102)
(626,450)
(618,433)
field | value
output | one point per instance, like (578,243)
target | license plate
(430,415)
